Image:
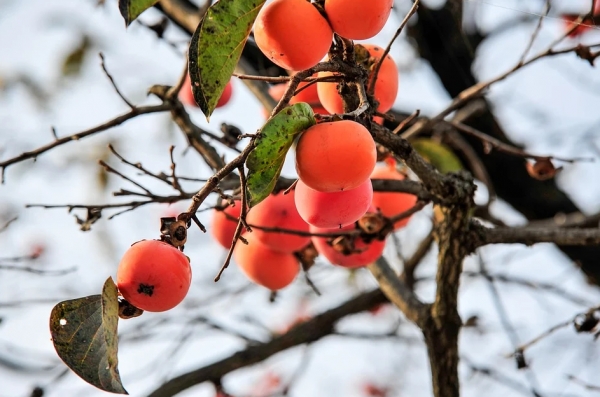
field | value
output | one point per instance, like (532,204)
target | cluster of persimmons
(335,162)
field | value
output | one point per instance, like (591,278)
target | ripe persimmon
(358,19)
(386,84)
(349,251)
(292,34)
(279,211)
(335,156)
(308,94)
(264,266)
(154,276)
(391,203)
(187,96)
(333,210)
(222,226)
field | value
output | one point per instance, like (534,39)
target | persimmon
(154,276)
(264,266)
(292,34)
(336,209)
(308,94)
(358,19)
(279,211)
(392,203)
(350,251)
(187,96)
(226,95)
(335,156)
(386,84)
(223,227)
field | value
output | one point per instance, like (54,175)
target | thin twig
(7,224)
(535,32)
(110,169)
(112,82)
(139,166)
(405,214)
(237,235)
(411,12)
(406,122)
(581,383)
(174,181)
(32,270)
(508,327)
(410,265)
(174,90)
(493,143)
(477,89)
(75,137)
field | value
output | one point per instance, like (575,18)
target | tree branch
(307,332)
(533,235)
(75,137)
(398,292)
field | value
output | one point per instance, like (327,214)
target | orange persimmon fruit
(154,276)
(392,203)
(292,34)
(333,210)
(279,211)
(335,156)
(264,266)
(358,19)
(353,252)
(223,226)
(386,84)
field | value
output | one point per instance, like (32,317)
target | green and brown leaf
(84,333)
(216,47)
(276,137)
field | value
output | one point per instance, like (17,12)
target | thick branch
(307,332)
(534,235)
(398,292)
(442,330)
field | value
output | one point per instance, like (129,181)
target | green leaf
(438,154)
(84,333)
(131,9)
(216,47)
(265,161)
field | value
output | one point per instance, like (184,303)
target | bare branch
(41,272)
(490,143)
(533,235)
(398,292)
(306,332)
(112,82)
(411,12)
(535,32)
(75,137)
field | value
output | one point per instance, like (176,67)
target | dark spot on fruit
(146,289)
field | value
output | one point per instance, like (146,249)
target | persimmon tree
(340,208)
